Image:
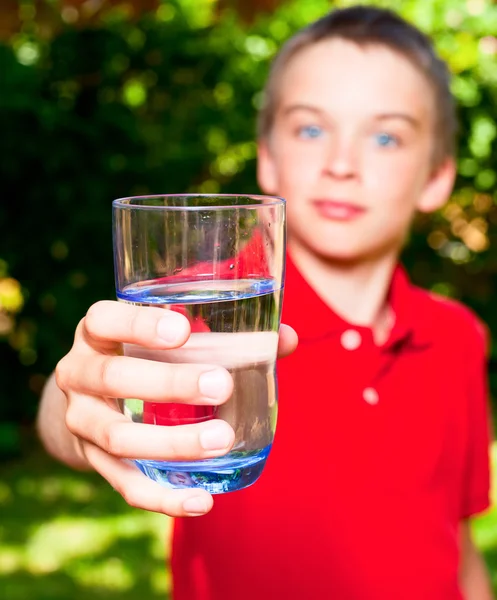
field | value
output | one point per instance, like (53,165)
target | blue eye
(310,132)
(385,140)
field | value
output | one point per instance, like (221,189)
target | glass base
(235,471)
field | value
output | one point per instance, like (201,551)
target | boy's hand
(94,373)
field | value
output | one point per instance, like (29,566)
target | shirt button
(351,339)
(370,395)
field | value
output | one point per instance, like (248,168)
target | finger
(109,323)
(288,341)
(153,381)
(141,492)
(96,422)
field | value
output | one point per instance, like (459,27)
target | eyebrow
(399,115)
(379,117)
(308,107)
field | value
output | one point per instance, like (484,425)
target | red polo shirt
(379,453)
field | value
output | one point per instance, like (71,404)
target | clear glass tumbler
(219,260)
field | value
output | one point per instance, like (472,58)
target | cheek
(396,183)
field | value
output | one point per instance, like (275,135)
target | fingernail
(195,506)
(212,384)
(170,329)
(215,437)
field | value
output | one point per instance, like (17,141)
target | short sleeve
(476,483)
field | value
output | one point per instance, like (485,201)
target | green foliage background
(166,105)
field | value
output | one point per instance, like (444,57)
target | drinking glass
(219,260)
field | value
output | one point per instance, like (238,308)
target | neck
(357,291)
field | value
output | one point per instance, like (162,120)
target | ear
(266,169)
(438,188)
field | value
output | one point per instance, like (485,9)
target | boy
(381,453)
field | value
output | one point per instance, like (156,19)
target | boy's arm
(473,575)
(52,428)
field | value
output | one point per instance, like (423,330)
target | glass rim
(123,203)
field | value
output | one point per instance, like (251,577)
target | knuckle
(62,374)
(79,329)
(93,318)
(80,335)
(111,441)
(135,322)
(181,383)
(174,449)
(130,495)
(109,373)
(184,445)
(72,420)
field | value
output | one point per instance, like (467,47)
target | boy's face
(177,478)
(351,150)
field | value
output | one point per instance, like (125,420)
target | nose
(342,159)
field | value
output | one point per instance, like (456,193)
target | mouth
(338,210)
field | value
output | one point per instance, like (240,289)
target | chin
(344,257)
(347,254)
(339,253)
(344,244)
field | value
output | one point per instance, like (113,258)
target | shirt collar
(412,316)
(313,319)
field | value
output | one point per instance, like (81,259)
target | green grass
(69,535)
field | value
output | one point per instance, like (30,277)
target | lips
(338,210)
